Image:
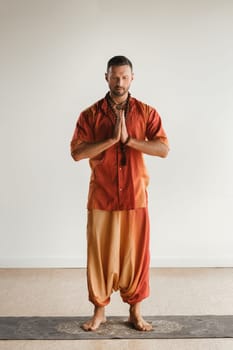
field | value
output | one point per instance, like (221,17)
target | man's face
(119,80)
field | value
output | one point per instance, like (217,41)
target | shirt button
(120,168)
(120,189)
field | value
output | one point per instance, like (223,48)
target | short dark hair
(119,61)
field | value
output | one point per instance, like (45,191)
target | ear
(106,76)
(132,78)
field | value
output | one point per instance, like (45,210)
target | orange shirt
(114,186)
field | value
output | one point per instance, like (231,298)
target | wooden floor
(58,292)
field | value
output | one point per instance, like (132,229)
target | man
(114,133)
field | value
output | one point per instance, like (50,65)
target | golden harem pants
(118,255)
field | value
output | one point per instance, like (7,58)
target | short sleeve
(154,128)
(83,131)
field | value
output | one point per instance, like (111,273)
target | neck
(118,99)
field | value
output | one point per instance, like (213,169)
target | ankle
(99,310)
(135,309)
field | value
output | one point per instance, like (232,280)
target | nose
(119,81)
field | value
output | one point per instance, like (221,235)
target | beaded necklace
(120,106)
(123,105)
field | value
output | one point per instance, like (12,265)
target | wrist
(126,141)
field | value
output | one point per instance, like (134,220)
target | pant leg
(103,239)
(135,255)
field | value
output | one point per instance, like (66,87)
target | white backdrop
(53,60)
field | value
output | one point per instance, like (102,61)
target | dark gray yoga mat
(117,327)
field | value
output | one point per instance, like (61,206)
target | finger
(118,124)
(119,115)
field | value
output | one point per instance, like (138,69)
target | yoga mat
(117,327)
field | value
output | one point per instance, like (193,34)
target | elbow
(78,152)
(76,156)
(164,152)
(163,155)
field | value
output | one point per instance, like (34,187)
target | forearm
(152,147)
(90,150)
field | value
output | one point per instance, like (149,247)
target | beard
(119,91)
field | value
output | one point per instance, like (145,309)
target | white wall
(53,59)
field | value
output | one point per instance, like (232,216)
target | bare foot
(98,318)
(136,319)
